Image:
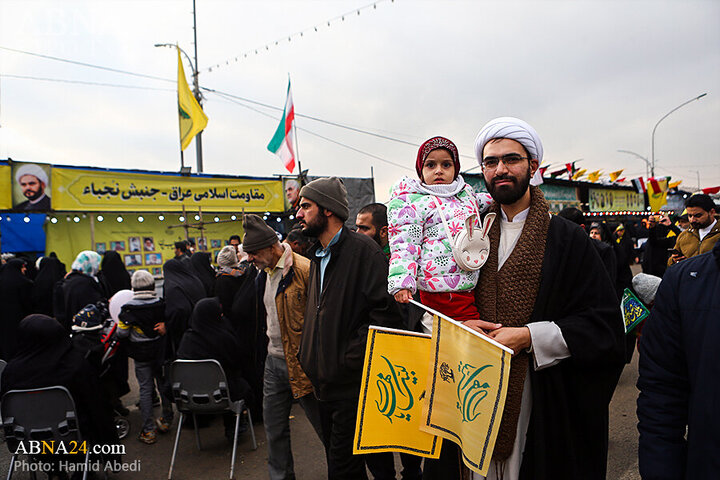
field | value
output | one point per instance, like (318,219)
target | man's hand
(517,338)
(482,326)
(403,296)
(160,328)
(677,257)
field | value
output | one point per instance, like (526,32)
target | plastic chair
(40,414)
(200,387)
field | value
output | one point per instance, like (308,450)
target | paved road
(213,462)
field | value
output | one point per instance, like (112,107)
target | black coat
(182,290)
(15,298)
(567,434)
(354,296)
(72,294)
(657,249)
(46,358)
(679,369)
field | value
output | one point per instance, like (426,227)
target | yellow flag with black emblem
(391,395)
(466,389)
(190,114)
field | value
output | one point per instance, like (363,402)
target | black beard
(30,195)
(508,195)
(315,228)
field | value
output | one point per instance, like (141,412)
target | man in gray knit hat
(347,291)
(282,294)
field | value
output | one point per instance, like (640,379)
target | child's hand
(160,328)
(403,296)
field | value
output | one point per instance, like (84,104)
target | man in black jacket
(677,406)
(347,291)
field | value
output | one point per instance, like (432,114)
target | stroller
(93,331)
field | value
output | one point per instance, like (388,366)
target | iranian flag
(281,143)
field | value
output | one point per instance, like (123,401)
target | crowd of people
(287,318)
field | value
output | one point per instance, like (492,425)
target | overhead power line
(89,65)
(82,82)
(225,97)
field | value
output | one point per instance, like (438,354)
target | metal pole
(652,168)
(198,137)
(647,162)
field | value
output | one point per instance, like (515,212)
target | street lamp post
(198,97)
(644,159)
(652,171)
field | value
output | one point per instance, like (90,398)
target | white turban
(31,169)
(514,129)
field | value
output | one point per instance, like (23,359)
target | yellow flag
(579,174)
(614,175)
(192,118)
(675,184)
(466,390)
(657,193)
(594,176)
(391,393)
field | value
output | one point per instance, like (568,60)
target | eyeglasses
(510,160)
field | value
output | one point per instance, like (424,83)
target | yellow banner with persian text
(5,187)
(609,200)
(97,190)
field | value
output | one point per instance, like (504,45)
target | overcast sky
(591,76)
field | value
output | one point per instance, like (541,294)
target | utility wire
(315,134)
(81,82)
(89,65)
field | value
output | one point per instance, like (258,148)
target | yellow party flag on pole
(594,176)
(466,389)
(391,393)
(614,175)
(579,174)
(190,114)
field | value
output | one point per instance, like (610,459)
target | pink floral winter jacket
(421,257)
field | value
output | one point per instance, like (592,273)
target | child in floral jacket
(421,257)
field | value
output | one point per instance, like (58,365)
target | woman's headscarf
(179,276)
(210,335)
(42,343)
(114,275)
(200,262)
(49,273)
(87,262)
(433,144)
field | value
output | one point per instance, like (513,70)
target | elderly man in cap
(347,291)
(282,295)
(33,182)
(537,295)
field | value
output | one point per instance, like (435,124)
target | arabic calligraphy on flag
(391,395)
(466,389)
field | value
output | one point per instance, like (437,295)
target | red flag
(655,185)
(711,190)
(620,180)
(570,169)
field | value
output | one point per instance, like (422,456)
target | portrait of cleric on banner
(31,187)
